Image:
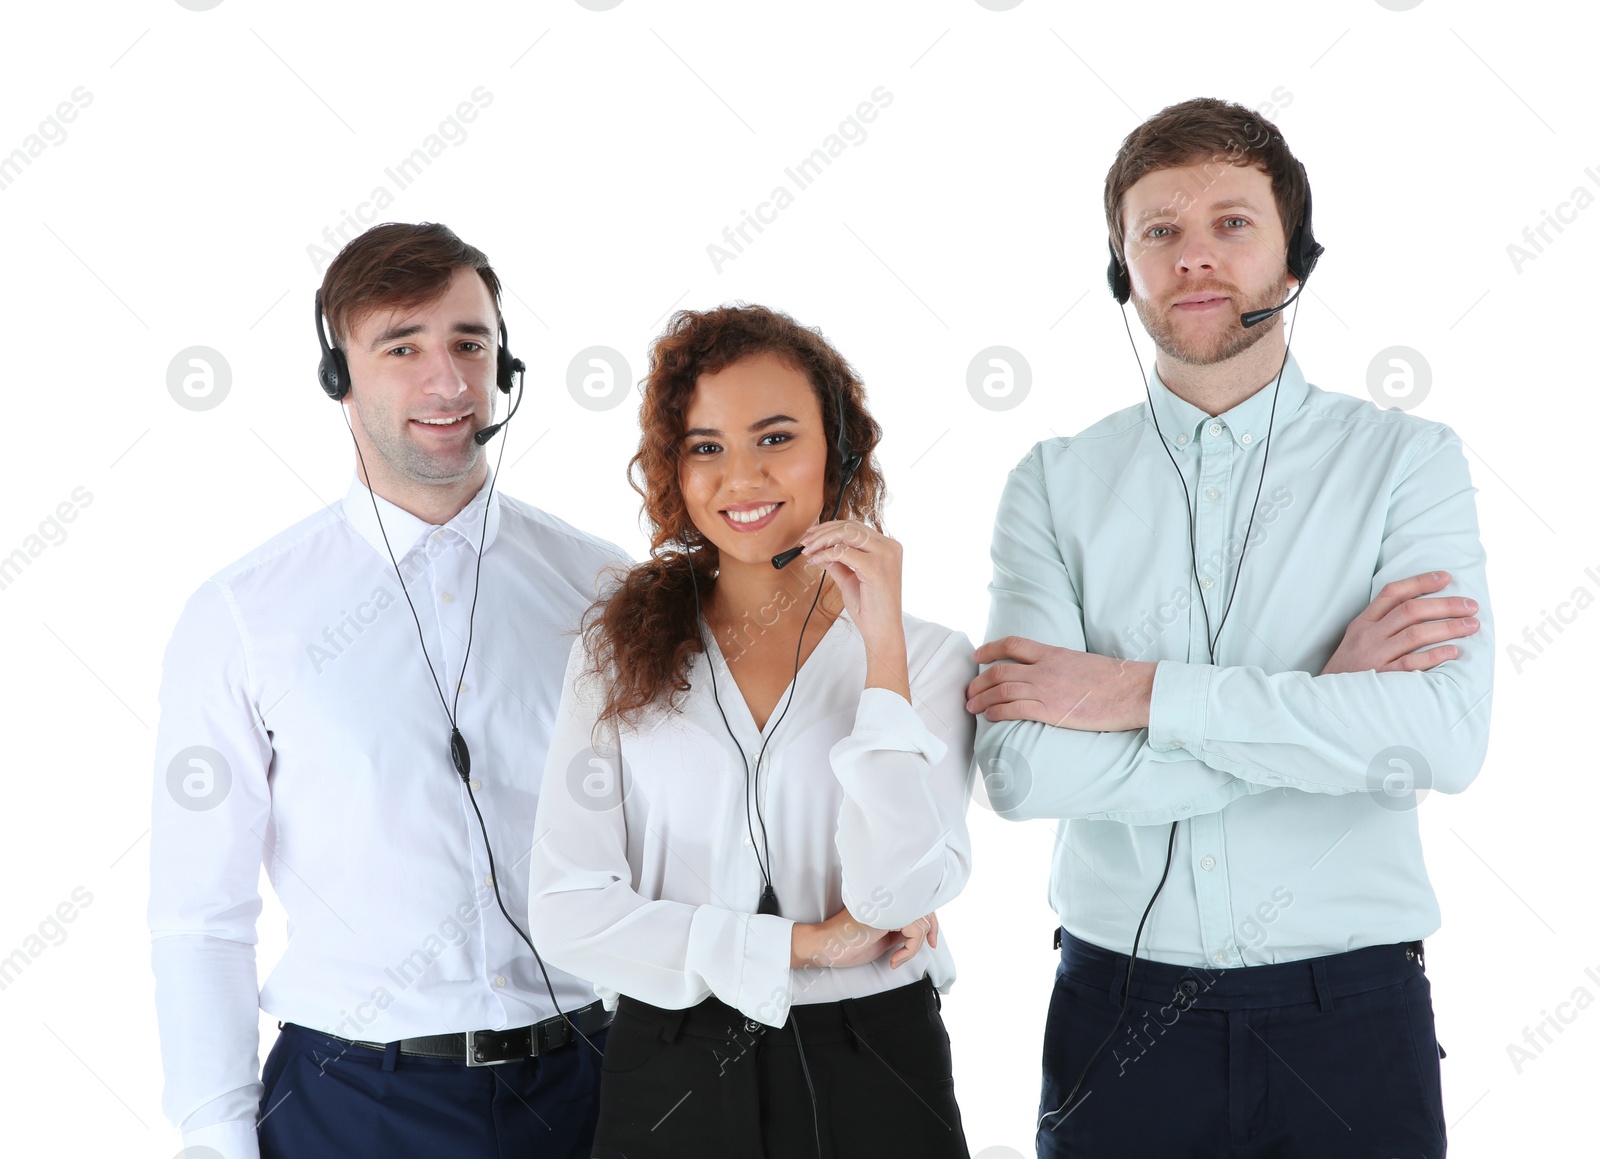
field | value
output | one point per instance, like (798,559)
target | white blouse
(644,878)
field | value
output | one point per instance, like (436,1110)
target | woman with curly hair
(756,790)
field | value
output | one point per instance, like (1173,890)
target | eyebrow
(758,425)
(475,329)
(1231,203)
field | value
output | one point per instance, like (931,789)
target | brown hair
(399,266)
(641,636)
(1221,132)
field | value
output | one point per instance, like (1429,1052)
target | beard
(1221,344)
(388,432)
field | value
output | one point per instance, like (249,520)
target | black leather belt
(489,1047)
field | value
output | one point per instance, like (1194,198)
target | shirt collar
(406,532)
(1246,423)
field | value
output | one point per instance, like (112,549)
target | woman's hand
(866,565)
(842,941)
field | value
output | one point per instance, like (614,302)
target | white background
(219,145)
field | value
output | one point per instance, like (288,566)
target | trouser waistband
(1320,980)
(823,1021)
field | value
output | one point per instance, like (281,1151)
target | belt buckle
(474,1055)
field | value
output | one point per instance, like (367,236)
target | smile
(751,518)
(444,423)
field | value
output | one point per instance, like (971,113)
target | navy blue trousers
(325,1097)
(1325,1058)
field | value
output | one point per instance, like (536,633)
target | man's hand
(1385,637)
(842,941)
(1061,687)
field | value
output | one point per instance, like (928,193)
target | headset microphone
(851,461)
(1251,317)
(518,368)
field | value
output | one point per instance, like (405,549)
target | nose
(1196,255)
(443,377)
(743,471)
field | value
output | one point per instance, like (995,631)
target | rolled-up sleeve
(905,770)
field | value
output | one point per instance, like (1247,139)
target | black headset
(333,372)
(1302,256)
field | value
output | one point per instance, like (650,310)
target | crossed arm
(1064,732)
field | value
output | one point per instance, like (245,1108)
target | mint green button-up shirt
(1296,794)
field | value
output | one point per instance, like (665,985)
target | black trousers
(1325,1058)
(862,1076)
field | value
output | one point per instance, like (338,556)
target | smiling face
(421,382)
(1203,244)
(753,460)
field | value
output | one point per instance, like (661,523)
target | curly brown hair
(641,636)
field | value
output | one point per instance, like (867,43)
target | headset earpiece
(333,372)
(506,365)
(1304,250)
(1117,277)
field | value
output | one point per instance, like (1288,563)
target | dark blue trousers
(326,1097)
(1325,1058)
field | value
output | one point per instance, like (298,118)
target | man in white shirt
(376,744)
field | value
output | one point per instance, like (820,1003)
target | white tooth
(753,515)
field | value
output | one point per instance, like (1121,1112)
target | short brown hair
(397,265)
(1205,129)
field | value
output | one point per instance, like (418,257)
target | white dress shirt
(300,729)
(644,875)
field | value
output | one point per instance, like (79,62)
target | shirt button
(1207,582)
(461,686)
(1220,957)
(1213,494)
(475,784)
(488,879)
(1245,438)
(447,597)
(1214,429)
(499,979)
(437,536)
(1208,862)
(1183,440)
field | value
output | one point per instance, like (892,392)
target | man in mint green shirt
(1238,631)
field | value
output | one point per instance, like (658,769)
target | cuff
(230,1139)
(764,992)
(886,721)
(1178,706)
